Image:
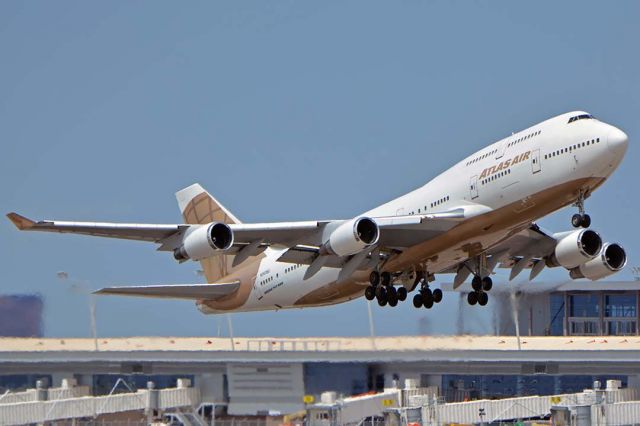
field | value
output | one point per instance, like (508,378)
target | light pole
(200,273)
(83,287)
(372,331)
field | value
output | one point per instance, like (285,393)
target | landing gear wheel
(472,298)
(392,299)
(374,278)
(428,303)
(381,292)
(427,298)
(487,283)
(385,278)
(581,220)
(483,298)
(370,293)
(417,301)
(476,283)
(578,220)
(437,295)
(392,292)
(382,302)
(402,294)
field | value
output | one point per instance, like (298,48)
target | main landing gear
(381,288)
(427,297)
(480,288)
(580,219)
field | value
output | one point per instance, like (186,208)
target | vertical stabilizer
(199,207)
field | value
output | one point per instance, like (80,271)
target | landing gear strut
(580,219)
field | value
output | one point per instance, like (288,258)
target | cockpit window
(580,117)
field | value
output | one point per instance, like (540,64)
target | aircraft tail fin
(199,207)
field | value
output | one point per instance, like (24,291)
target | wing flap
(175,291)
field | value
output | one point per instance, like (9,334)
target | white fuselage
(528,162)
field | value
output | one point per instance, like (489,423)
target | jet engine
(352,237)
(612,258)
(575,249)
(204,241)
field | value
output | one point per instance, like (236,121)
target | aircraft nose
(617,140)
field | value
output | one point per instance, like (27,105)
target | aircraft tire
(487,283)
(382,302)
(370,293)
(428,303)
(586,221)
(392,292)
(472,298)
(402,294)
(381,292)
(417,301)
(374,278)
(427,297)
(476,283)
(385,278)
(576,220)
(393,300)
(437,295)
(483,298)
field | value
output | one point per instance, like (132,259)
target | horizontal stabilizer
(175,291)
(21,222)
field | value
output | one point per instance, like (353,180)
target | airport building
(261,376)
(570,335)
(574,308)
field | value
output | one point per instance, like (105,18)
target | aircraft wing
(175,291)
(282,233)
(303,239)
(129,231)
(395,231)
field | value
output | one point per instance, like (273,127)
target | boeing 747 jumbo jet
(474,217)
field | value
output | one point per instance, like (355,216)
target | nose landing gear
(580,219)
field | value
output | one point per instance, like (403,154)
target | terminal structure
(570,336)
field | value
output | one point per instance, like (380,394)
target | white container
(328,397)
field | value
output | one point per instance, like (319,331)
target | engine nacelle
(204,241)
(575,249)
(352,237)
(612,258)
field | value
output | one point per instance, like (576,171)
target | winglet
(21,222)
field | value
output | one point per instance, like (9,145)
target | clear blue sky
(283,110)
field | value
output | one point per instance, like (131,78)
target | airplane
(476,216)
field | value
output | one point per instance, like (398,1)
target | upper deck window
(580,117)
